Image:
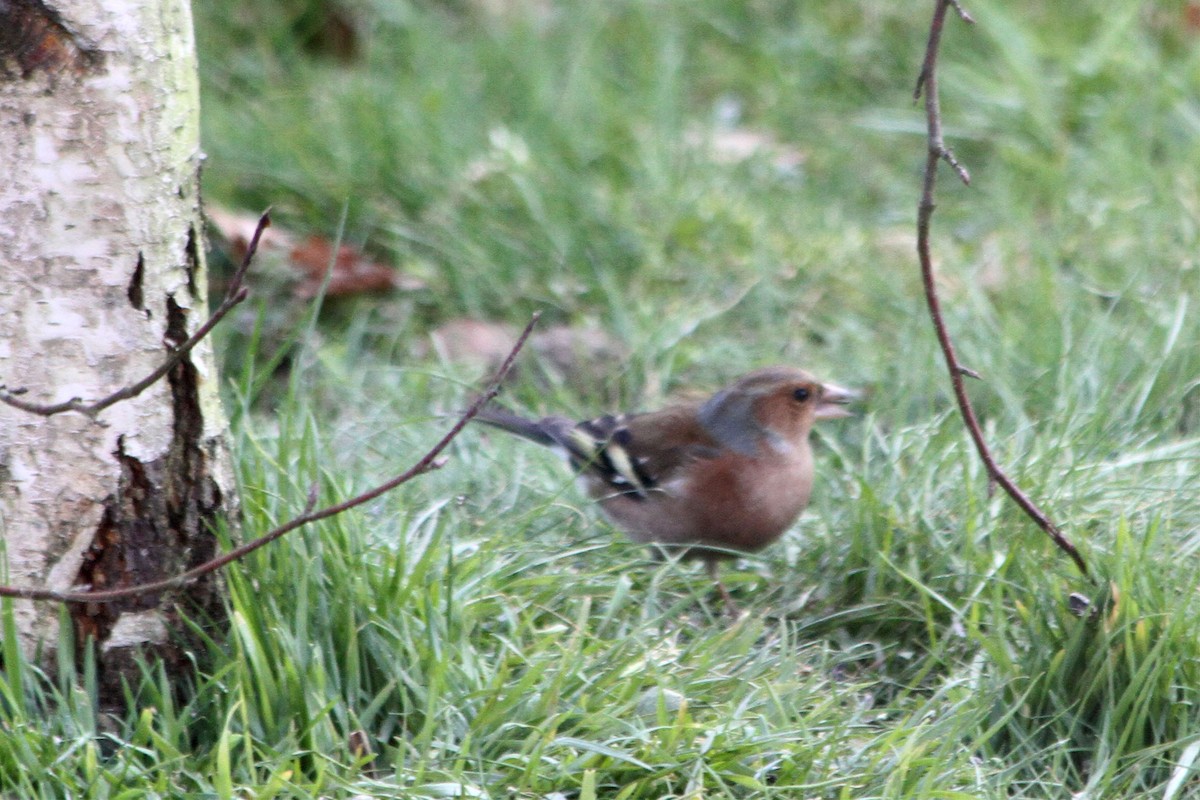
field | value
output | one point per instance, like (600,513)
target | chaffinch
(711,478)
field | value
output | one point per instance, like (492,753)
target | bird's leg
(713,566)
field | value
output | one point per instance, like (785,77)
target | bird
(707,478)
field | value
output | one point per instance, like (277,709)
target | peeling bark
(34,38)
(101,272)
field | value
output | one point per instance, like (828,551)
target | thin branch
(235,294)
(428,462)
(962,12)
(927,82)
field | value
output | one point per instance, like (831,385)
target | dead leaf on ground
(472,341)
(351,272)
(580,356)
(1191,18)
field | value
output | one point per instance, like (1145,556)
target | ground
(716,185)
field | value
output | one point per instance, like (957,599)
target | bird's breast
(737,502)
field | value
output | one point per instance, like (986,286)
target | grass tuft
(482,632)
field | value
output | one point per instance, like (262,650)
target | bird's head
(778,403)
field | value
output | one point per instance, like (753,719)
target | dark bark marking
(124,551)
(34,38)
(157,523)
(134,292)
(191,258)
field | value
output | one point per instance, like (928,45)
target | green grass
(485,629)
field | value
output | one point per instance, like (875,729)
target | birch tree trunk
(101,271)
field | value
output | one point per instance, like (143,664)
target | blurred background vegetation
(701,186)
(719,184)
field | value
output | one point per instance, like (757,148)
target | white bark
(99,232)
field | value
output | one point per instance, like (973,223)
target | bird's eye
(801,394)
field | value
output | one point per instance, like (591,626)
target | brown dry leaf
(351,272)
(237,229)
(330,29)
(473,341)
(580,356)
(360,744)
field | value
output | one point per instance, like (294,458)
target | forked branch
(428,462)
(235,294)
(927,83)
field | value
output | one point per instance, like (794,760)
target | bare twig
(962,12)
(927,82)
(235,294)
(428,462)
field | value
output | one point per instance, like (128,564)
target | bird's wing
(634,454)
(628,454)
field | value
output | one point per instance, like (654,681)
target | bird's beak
(833,398)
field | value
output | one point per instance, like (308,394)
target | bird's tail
(534,430)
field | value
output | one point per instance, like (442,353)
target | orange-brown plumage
(731,473)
